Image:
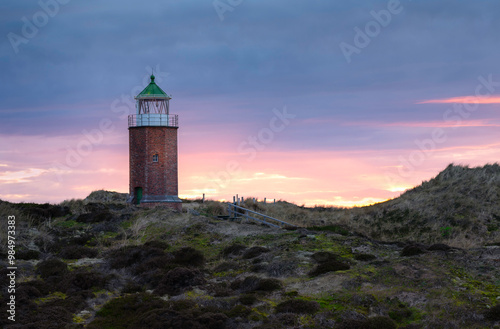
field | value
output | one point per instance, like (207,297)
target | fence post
(234,199)
(264,200)
(274,201)
(203,200)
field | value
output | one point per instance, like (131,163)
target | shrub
(39,285)
(254,252)
(493,313)
(258,268)
(412,250)
(226,266)
(164,318)
(400,314)
(246,285)
(351,324)
(213,208)
(439,246)
(249,204)
(130,255)
(239,311)
(81,239)
(324,256)
(167,318)
(77,252)
(42,212)
(27,254)
(164,262)
(221,290)
(52,267)
(331,265)
(94,217)
(331,228)
(212,320)
(82,280)
(181,305)
(253,284)
(189,257)
(105,227)
(157,244)
(51,317)
(61,242)
(282,320)
(103,196)
(72,303)
(248,299)
(299,306)
(364,257)
(132,287)
(233,250)
(26,292)
(122,312)
(412,326)
(380,322)
(178,280)
(268,285)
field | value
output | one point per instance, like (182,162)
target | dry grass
(23,225)
(103,196)
(458,207)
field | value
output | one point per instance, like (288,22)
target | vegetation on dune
(459,207)
(427,259)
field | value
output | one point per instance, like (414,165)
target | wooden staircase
(239,213)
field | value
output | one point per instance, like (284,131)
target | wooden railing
(235,211)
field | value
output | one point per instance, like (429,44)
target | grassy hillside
(460,207)
(101,263)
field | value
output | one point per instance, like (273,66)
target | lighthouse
(153,150)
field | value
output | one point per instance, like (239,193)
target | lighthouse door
(138,195)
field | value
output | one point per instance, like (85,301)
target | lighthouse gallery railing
(153,119)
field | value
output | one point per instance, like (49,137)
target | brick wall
(155,178)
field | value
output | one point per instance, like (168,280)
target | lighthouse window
(155,157)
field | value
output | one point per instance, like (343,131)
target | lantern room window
(155,157)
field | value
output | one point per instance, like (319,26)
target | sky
(315,102)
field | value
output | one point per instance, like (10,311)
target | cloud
(465,100)
(22,176)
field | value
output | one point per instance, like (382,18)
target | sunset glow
(465,100)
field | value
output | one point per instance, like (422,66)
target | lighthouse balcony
(153,120)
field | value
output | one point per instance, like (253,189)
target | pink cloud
(428,124)
(465,100)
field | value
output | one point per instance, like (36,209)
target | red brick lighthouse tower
(153,150)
